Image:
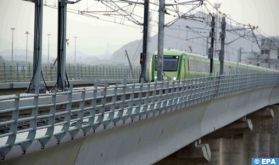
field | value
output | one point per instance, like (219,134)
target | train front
(171,65)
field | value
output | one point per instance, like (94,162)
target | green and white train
(180,65)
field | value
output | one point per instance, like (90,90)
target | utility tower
(37,56)
(212,39)
(160,40)
(61,50)
(222,51)
(143,56)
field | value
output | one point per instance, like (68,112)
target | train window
(170,63)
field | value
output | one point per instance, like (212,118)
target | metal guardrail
(25,118)
(22,72)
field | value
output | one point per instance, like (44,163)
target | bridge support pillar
(255,135)
(227,143)
(260,142)
(274,137)
(227,150)
(195,153)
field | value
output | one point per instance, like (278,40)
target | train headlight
(174,78)
(155,77)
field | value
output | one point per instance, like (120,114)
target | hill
(186,35)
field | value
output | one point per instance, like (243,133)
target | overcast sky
(97,37)
(263,13)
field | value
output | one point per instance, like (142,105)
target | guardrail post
(163,108)
(147,101)
(12,129)
(131,103)
(154,101)
(93,110)
(51,122)
(103,106)
(138,109)
(123,100)
(33,125)
(114,100)
(80,112)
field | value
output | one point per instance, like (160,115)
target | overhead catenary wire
(125,11)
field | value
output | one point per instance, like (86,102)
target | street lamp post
(26,53)
(12,29)
(75,60)
(48,37)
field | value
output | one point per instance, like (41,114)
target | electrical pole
(206,45)
(212,39)
(12,29)
(239,59)
(160,56)
(222,51)
(61,54)
(144,42)
(37,56)
(26,53)
(48,37)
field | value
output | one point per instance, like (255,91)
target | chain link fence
(22,72)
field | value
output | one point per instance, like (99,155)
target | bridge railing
(25,118)
(22,72)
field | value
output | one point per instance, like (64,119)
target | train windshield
(170,63)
